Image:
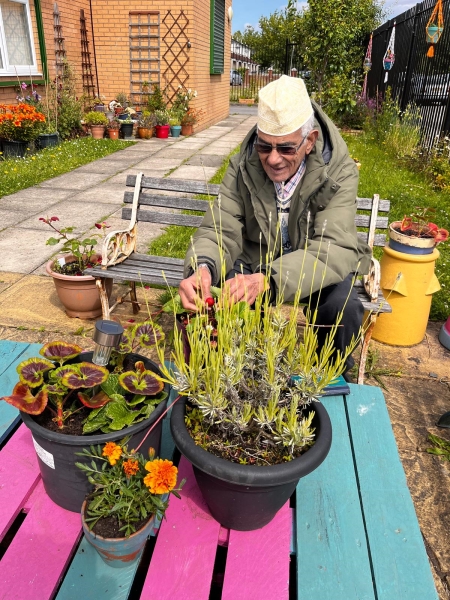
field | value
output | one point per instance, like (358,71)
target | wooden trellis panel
(145,59)
(176,54)
(86,64)
(60,51)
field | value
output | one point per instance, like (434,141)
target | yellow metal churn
(408,282)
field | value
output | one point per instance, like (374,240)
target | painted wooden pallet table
(349,533)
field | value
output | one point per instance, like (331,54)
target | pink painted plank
(258,561)
(224,536)
(36,560)
(183,560)
(19,474)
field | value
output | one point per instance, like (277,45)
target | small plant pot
(433,34)
(99,108)
(126,130)
(118,552)
(145,133)
(408,244)
(122,116)
(47,140)
(187,129)
(247,497)
(175,130)
(118,111)
(246,101)
(113,134)
(387,65)
(162,131)
(98,132)
(13,149)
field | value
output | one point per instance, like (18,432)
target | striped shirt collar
(285,190)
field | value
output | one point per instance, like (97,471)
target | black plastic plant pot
(47,140)
(247,497)
(126,129)
(65,483)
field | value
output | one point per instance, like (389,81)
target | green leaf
(52,241)
(111,386)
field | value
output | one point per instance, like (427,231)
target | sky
(247,13)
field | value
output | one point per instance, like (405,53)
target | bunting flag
(389,56)
(434,28)
(367,65)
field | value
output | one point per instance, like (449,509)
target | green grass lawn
(406,189)
(20,173)
(175,240)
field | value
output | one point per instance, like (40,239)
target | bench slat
(175,185)
(34,563)
(183,560)
(268,577)
(367,203)
(168,202)
(399,559)
(379,240)
(148,216)
(364,221)
(332,553)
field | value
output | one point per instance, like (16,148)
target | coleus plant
(116,399)
(419,226)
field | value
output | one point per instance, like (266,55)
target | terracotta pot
(79,295)
(145,133)
(187,129)
(97,131)
(113,134)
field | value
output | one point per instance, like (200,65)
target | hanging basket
(388,63)
(367,65)
(433,34)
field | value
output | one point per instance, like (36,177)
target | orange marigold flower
(162,476)
(113,452)
(131,467)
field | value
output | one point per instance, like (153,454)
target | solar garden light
(107,335)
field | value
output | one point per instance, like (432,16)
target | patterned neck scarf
(284,192)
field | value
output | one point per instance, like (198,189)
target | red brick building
(118,46)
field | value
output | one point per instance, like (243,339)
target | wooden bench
(122,263)
(349,532)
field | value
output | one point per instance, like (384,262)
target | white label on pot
(45,456)
(62,261)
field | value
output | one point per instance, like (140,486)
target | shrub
(95,118)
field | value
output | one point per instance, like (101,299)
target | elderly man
(294,168)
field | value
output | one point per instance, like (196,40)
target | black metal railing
(415,78)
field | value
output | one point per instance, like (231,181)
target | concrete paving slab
(212,150)
(180,153)
(75,180)
(160,164)
(106,193)
(47,197)
(8,279)
(205,159)
(9,218)
(121,178)
(198,173)
(23,250)
(107,167)
(81,215)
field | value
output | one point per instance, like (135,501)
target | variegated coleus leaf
(143,383)
(31,371)
(126,343)
(23,399)
(85,375)
(60,351)
(148,334)
(97,401)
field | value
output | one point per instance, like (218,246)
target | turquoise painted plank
(332,554)
(89,578)
(400,562)
(11,354)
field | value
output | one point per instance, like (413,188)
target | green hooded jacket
(322,216)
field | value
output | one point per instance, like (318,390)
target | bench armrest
(118,245)
(372,279)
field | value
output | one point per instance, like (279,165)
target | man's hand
(195,289)
(245,287)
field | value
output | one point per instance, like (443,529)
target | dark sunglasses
(288,150)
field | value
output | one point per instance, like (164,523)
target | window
(16,39)
(217,54)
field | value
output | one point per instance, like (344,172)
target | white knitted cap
(283,106)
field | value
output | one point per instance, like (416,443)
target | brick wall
(111,37)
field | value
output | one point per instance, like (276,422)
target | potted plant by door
(145,125)
(189,119)
(162,123)
(19,125)
(77,292)
(137,487)
(97,122)
(69,402)
(249,419)
(113,128)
